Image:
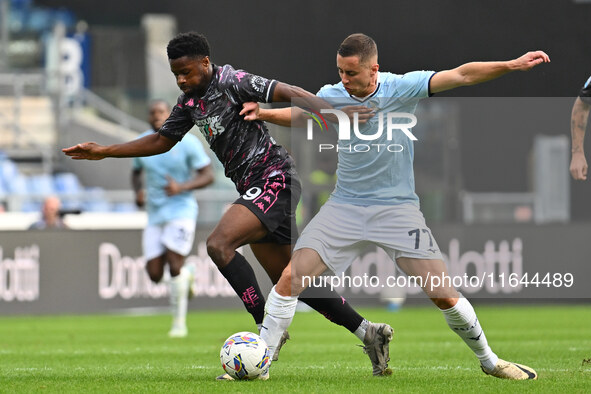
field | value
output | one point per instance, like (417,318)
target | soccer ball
(245,356)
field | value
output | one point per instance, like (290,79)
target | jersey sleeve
(244,86)
(198,159)
(414,84)
(585,93)
(178,123)
(323,92)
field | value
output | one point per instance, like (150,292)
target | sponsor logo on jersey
(210,126)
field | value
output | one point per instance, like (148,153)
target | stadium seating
(67,183)
(26,192)
(18,185)
(40,185)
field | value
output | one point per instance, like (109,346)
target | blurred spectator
(50,215)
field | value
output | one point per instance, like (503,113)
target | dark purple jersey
(245,148)
(585,93)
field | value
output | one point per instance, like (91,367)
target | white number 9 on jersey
(252,193)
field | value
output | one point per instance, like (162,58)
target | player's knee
(445,303)
(175,263)
(219,250)
(174,271)
(154,276)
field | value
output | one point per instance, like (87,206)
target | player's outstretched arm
(578,124)
(477,72)
(290,116)
(152,144)
(296,116)
(306,100)
(279,116)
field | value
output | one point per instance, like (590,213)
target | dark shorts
(274,201)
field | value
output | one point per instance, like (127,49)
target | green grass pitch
(125,354)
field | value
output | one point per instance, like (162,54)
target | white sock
(179,294)
(279,311)
(462,319)
(360,332)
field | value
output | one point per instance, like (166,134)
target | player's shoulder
(402,83)
(410,76)
(388,78)
(389,82)
(332,90)
(227,74)
(225,68)
(182,101)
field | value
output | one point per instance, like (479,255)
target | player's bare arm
(202,178)
(282,116)
(149,145)
(477,72)
(286,93)
(279,116)
(578,124)
(296,116)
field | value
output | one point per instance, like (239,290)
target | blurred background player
(50,215)
(172,210)
(578,124)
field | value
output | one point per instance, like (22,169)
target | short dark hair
(189,44)
(358,44)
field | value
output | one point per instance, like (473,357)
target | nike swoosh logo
(263,327)
(529,374)
(477,337)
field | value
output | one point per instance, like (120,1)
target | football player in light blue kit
(172,210)
(374,201)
